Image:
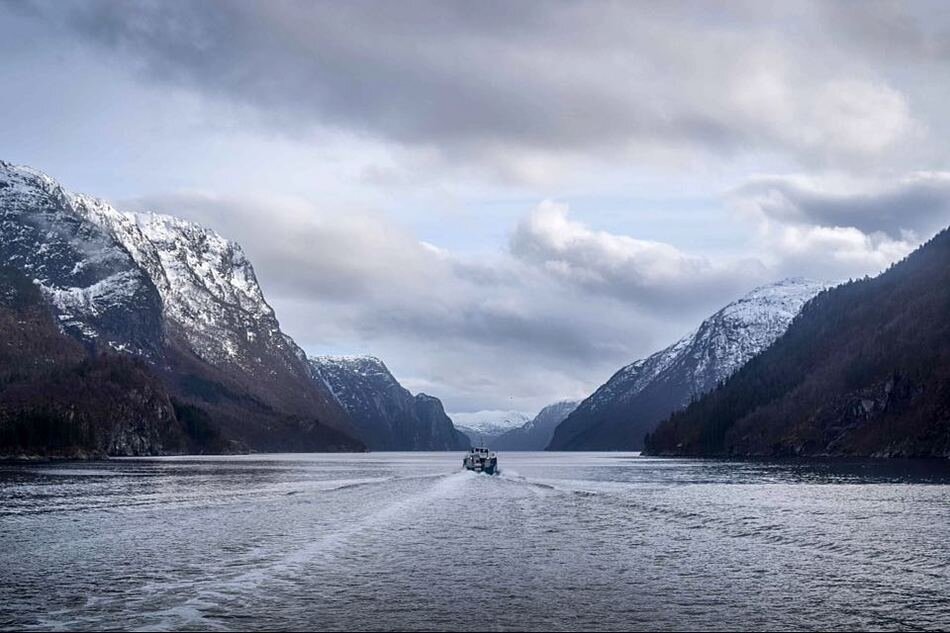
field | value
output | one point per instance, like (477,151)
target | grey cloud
(555,337)
(552,317)
(475,330)
(478,81)
(345,256)
(636,271)
(912,31)
(919,203)
(518,88)
(833,253)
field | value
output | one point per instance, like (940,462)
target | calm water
(407,541)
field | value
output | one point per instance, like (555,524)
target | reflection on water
(408,541)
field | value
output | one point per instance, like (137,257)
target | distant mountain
(386,415)
(639,396)
(176,295)
(484,427)
(864,370)
(536,434)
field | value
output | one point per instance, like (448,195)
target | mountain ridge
(536,434)
(864,370)
(484,427)
(386,414)
(176,294)
(637,397)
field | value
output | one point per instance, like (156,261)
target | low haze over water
(409,541)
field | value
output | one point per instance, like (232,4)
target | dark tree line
(58,398)
(863,370)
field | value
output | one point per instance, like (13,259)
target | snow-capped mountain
(483,427)
(208,288)
(171,291)
(387,416)
(206,285)
(536,434)
(863,371)
(99,293)
(639,396)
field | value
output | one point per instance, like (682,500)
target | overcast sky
(505,201)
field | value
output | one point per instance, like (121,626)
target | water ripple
(408,542)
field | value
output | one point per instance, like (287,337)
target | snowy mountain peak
(647,390)
(357,363)
(786,296)
(208,285)
(355,381)
(20,180)
(729,338)
(485,426)
(209,291)
(555,411)
(489,420)
(536,434)
(560,409)
(99,293)
(105,259)
(199,254)
(386,414)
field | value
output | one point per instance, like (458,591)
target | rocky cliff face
(387,416)
(210,296)
(433,430)
(177,295)
(639,396)
(864,370)
(536,434)
(98,292)
(57,400)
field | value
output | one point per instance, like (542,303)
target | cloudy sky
(506,201)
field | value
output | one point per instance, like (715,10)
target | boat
(481,460)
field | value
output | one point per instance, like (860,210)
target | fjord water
(408,541)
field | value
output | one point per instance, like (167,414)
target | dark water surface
(407,541)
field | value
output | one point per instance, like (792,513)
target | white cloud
(838,226)
(549,320)
(633,270)
(833,253)
(860,117)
